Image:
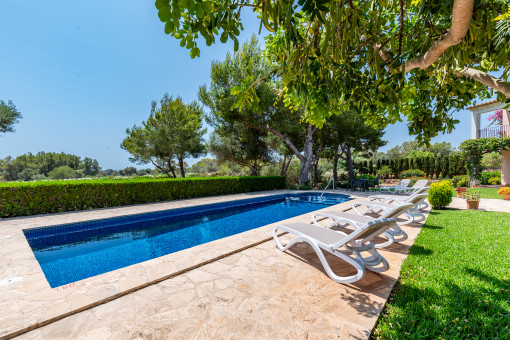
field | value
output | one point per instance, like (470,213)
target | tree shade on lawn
(455,282)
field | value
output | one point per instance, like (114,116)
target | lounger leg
(373,261)
(390,238)
(400,233)
(340,279)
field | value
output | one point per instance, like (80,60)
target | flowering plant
(472,196)
(496,118)
(460,190)
(504,191)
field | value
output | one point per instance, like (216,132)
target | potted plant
(472,199)
(505,192)
(460,191)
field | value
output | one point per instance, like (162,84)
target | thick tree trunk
(335,165)
(306,161)
(316,171)
(348,159)
(181,166)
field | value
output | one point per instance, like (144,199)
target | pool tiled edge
(31,303)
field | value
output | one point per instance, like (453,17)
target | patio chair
(362,240)
(411,190)
(401,199)
(393,234)
(358,182)
(380,207)
(402,184)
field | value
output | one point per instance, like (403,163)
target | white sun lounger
(379,207)
(401,199)
(362,240)
(402,184)
(422,183)
(393,234)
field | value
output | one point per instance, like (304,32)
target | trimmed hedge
(33,198)
(486,175)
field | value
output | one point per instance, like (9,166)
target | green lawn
(485,192)
(455,282)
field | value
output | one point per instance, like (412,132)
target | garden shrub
(495,181)
(460,181)
(23,199)
(486,175)
(413,173)
(440,194)
(384,172)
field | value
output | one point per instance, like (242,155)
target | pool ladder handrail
(331,180)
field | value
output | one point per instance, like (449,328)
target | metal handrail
(331,180)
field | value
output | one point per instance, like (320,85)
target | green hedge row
(33,198)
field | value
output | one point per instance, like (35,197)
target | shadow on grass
(420,251)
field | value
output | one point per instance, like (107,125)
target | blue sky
(81,72)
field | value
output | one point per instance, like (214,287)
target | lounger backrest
(416,199)
(421,183)
(399,210)
(404,183)
(369,231)
(423,190)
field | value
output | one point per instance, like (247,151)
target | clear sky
(81,72)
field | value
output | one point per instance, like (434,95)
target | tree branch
(486,79)
(286,140)
(461,18)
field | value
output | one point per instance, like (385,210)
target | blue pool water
(72,252)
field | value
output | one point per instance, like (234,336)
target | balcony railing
(494,131)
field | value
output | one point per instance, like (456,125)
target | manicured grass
(485,192)
(455,282)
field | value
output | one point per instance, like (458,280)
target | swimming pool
(72,252)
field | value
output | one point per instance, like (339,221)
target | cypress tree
(437,166)
(425,165)
(432,164)
(370,167)
(379,164)
(452,167)
(445,166)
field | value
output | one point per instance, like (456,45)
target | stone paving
(237,287)
(487,204)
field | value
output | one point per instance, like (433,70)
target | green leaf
(169,27)
(199,10)
(162,3)
(207,6)
(164,14)
(224,37)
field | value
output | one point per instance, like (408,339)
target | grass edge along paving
(455,282)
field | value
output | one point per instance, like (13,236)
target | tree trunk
(348,157)
(171,168)
(284,163)
(181,166)
(254,169)
(335,165)
(306,161)
(315,171)
(287,166)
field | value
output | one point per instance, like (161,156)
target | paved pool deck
(241,286)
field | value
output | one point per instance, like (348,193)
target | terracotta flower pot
(459,195)
(472,204)
(506,196)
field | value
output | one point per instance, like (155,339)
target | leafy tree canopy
(385,59)
(172,133)
(8,116)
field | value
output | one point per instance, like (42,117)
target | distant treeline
(52,165)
